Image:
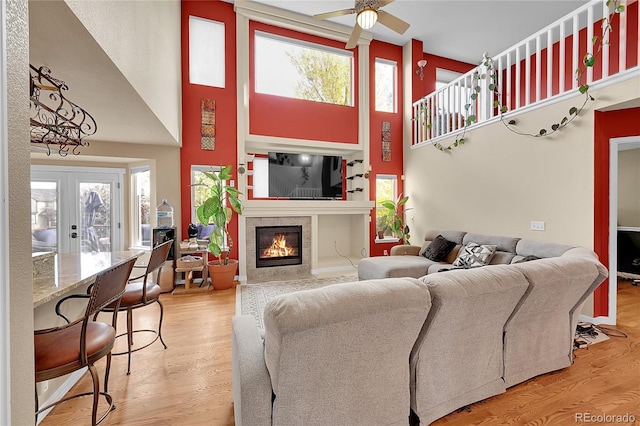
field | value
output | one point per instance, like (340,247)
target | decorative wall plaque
(386,141)
(208,124)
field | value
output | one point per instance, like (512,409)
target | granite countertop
(73,270)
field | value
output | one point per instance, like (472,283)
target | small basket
(189,262)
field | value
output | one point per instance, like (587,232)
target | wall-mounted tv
(305,176)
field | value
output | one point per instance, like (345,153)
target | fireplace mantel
(338,229)
(258,208)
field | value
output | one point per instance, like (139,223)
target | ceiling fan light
(367,18)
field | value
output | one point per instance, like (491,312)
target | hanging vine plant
(588,61)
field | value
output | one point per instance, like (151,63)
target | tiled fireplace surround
(260,274)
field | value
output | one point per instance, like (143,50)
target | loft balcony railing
(541,68)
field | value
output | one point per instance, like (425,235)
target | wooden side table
(188,271)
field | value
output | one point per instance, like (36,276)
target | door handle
(74,235)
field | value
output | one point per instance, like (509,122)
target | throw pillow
(473,255)
(438,249)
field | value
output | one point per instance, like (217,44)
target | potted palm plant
(393,218)
(218,209)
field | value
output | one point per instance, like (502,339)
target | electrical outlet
(537,225)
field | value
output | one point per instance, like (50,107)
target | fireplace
(278,246)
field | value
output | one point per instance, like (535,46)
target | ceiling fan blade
(334,14)
(393,22)
(355,35)
(383,3)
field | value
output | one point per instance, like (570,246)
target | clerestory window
(302,70)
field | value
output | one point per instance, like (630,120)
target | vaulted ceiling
(460,30)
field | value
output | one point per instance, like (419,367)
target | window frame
(308,45)
(394,179)
(216,48)
(198,168)
(136,225)
(394,85)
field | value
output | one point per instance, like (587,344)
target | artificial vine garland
(589,60)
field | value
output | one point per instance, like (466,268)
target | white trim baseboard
(597,320)
(61,392)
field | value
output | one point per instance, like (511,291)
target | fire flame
(279,248)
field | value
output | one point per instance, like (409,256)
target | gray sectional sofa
(427,342)
(336,355)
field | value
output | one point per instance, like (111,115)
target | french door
(76,209)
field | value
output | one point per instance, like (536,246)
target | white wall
(498,182)
(151,61)
(21,382)
(629,187)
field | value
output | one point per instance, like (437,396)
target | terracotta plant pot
(380,235)
(222,276)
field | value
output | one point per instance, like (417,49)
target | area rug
(252,298)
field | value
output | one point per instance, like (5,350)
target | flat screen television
(305,176)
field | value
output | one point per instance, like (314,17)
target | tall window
(386,189)
(206,52)
(386,82)
(141,189)
(200,184)
(302,70)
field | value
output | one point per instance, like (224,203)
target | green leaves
(393,217)
(584,88)
(589,60)
(573,110)
(218,210)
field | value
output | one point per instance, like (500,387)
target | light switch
(537,225)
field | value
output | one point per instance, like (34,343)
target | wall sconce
(420,71)
(368,172)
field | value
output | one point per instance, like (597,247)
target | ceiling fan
(368,12)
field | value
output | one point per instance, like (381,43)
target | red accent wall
(295,118)
(607,125)
(391,52)
(226,134)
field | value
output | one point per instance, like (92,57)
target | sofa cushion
(455,236)
(393,267)
(540,249)
(438,249)
(457,358)
(473,255)
(337,355)
(502,258)
(507,244)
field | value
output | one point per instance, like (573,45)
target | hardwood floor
(190,382)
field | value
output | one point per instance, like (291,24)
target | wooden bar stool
(139,294)
(63,350)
